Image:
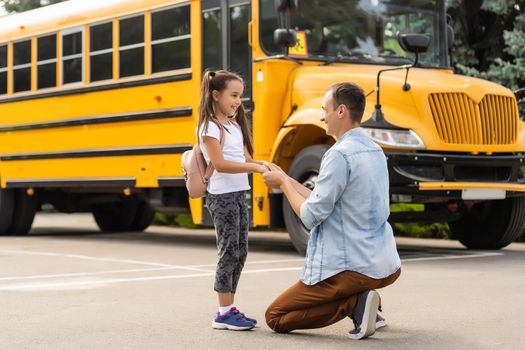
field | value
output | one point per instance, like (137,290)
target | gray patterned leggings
(229,212)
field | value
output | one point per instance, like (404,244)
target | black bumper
(407,170)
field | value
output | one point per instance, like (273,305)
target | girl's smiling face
(228,100)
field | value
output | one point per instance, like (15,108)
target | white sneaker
(365,315)
(380,321)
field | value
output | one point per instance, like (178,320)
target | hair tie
(212,74)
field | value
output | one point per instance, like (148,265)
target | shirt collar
(349,133)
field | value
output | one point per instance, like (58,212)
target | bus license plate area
(482,193)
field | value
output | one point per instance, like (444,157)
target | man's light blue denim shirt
(347,213)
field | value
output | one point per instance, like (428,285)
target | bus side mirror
(450,37)
(285,37)
(415,43)
(286,5)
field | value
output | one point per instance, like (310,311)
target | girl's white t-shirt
(232,150)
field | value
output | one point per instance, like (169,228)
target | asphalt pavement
(67,286)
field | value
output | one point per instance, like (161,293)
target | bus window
(225,28)
(211,33)
(72,56)
(170,39)
(22,66)
(240,57)
(3,69)
(101,51)
(47,61)
(131,46)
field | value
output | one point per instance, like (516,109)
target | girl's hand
(266,164)
(263,163)
(261,168)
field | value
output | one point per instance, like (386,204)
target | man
(351,250)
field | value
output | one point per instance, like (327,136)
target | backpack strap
(211,168)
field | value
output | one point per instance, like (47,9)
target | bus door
(225,46)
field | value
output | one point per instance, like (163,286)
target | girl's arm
(249,158)
(226,166)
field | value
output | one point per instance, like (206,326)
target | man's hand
(263,166)
(275,168)
(275,177)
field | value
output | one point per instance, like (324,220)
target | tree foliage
(489,39)
(25,5)
(489,36)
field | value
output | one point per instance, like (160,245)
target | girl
(221,115)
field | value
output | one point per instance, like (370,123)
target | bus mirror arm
(520,97)
(378,118)
(410,42)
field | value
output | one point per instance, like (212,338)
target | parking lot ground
(67,286)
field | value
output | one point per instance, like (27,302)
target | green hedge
(178,220)
(435,230)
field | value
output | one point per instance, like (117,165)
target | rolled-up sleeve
(330,184)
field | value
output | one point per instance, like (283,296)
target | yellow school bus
(98,100)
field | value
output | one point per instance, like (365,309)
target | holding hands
(275,176)
(262,166)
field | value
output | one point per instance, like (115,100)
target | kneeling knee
(273,321)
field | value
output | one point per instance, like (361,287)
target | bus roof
(68,14)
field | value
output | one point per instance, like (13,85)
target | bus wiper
(397,57)
(346,58)
(277,57)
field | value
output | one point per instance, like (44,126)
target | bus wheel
(24,212)
(118,216)
(7,203)
(490,225)
(304,168)
(143,217)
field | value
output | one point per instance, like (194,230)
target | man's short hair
(352,96)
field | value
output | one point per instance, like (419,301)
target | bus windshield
(361,30)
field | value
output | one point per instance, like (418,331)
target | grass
(178,220)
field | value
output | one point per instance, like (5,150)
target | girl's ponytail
(241,119)
(206,103)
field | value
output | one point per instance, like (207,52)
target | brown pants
(305,307)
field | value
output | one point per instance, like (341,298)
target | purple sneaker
(232,320)
(252,320)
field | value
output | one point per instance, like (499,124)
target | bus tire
(25,208)
(304,168)
(118,216)
(490,225)
(7,204)
(143,217)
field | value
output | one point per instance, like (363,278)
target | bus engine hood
(446,111)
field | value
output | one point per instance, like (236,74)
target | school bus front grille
(459,120)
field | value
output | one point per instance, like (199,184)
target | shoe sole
(217,325)
(368,326)
(380,324)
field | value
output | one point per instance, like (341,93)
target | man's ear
(341,109)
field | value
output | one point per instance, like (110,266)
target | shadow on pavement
(203,238)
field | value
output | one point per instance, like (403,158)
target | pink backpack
(196,172)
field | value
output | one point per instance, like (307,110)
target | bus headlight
(395,138)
